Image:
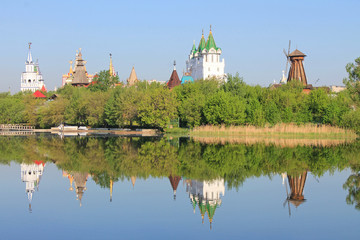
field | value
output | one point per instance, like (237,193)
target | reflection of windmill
(283,79)
(297,185)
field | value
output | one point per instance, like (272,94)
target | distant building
(186,78)
(204,62)
(337,89)
(155,81)
(174,79)
(77,76)
(31,79)
(132,80)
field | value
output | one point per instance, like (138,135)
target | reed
(290,129)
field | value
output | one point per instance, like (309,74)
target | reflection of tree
(109,159)
(352,185)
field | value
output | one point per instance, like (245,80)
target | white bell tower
(31,79)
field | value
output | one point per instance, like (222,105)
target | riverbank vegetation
(190,105)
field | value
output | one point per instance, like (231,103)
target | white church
(204,62)
(31,79)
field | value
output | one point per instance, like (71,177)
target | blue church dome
(186,79)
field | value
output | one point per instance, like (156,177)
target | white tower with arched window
(205,62)
(31,79)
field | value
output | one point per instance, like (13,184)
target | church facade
(205,61)
(31,79)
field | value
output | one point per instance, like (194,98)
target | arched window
(29,80)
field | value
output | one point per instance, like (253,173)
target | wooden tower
(297,71)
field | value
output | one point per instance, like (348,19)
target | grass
(281,130)
(177,131)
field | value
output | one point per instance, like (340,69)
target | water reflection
(296,183)
(352,185)
(206,195)
(205,168)
(31,175)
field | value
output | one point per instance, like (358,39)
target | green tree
(353,81)
(158,107)
(103,81)
(224,108)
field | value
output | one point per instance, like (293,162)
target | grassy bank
(280,130)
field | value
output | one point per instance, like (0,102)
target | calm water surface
(157,188)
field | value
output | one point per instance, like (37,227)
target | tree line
(192,104)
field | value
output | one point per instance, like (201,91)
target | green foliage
(352,120)
(224,108)
(353,81)
(157,107)
(103,81)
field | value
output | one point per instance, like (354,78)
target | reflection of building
(296,184)
(133,180)
(206,195)
(174,181)
(31,79)
(31,175)
(79,180)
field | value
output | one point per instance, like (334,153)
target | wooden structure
(80,77)
(297,71)
(16,127)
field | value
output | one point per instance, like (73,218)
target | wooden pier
(16,127)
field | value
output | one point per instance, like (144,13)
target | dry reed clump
(280,142)
(277,129)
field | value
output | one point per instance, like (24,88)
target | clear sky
(150,35)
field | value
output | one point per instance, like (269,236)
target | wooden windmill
(296,71)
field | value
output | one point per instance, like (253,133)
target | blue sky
(150,35)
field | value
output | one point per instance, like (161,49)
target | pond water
(100,187)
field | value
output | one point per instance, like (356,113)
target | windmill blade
(287,55)
(289,48)
(286,69)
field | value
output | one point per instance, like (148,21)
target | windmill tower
(296,71)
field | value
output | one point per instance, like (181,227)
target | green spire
(193,47)
(202,43)
(210,43)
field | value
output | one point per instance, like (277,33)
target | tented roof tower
(174,79)
(132,80)
(80,74)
